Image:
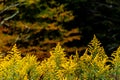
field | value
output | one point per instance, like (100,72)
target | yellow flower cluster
(90,66)
(14,67)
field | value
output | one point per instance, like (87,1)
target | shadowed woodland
(38,25)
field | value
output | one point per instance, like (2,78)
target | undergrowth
(90,66)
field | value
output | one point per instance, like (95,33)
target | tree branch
(10,17)
(7,18)
(7,8)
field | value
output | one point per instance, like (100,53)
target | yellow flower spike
(14,54)
(17,68)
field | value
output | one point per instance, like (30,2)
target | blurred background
(36,26)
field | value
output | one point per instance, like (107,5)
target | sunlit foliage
(115,60)
(14,67)
(90,66)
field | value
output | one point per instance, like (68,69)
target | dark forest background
(36,26)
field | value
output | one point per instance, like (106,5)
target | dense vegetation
(92,65)
(40,24)
(36,26)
